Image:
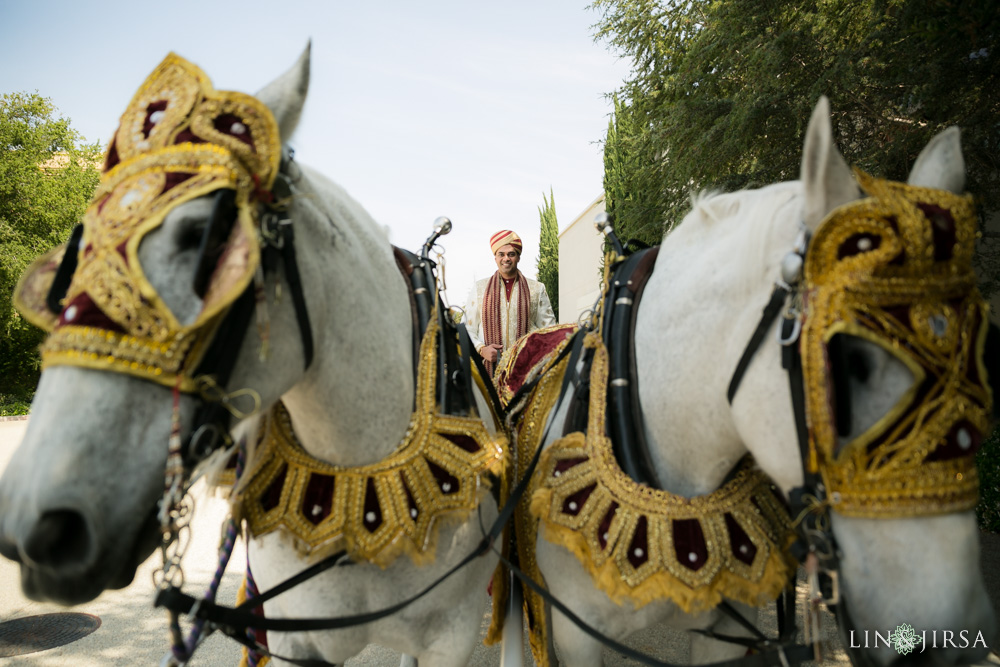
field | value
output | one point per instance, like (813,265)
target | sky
(469,109)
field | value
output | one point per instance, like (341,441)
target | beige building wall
(581,248)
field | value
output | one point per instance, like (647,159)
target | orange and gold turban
(505,237)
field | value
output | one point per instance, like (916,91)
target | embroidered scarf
(494,303)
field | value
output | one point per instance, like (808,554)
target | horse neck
(354,403)
(700,307)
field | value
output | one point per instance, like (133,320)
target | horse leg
(408,661)
(706,650)
(512,645)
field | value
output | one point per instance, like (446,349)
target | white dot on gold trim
(572,506)
(743,549)
(317,510)
(369,517)
(130,198)
(864,243)
(446,487)
(963,437)
(70,314)
(638,553)
(157,116)
(413,512)
(692,556)
(238,128)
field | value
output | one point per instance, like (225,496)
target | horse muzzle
(62,558)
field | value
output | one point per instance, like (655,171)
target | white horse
(699,309)
(78,502)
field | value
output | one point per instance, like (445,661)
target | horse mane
(757,216)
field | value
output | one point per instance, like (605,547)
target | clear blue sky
(461,108)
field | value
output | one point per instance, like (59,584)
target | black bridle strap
(241,618)
(218,362)
(298,294)
(802,499)
(791,361)
(771,311)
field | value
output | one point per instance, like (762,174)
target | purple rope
(253,658)
(183,653)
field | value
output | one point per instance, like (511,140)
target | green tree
(47,177)
(548,250)
(632,182)
(725,88)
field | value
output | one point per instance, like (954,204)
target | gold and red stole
(494,299)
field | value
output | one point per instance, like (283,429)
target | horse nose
(60,539)
(8,549)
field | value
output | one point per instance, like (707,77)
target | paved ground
(132,632)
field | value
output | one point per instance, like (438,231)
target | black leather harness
(456,397)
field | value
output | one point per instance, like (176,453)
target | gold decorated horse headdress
(895,269)
(178,139)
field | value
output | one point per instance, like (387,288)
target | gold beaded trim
(895,268)
(101,349)
(623,532)
(530,426)
(655,570)
(379,511)
(178,139)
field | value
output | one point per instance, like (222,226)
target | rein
(236,621)
(277,237)
(816,546)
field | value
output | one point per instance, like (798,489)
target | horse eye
(859,365)
(189,235)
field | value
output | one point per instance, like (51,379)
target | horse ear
(941,165)
(827,179)
(286,95)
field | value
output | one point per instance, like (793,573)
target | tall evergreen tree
(548,250)
(632,183)
(46,181)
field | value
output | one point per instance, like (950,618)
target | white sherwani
(539,312)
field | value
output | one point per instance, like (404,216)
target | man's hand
(490,352)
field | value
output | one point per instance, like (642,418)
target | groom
(505,306)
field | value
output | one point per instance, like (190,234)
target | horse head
(898,397)
(876,303)
(184,275)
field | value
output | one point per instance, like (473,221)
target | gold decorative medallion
(376,512)
(895,269)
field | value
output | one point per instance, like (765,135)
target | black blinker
(840,372)
(64,274)
(213,241)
